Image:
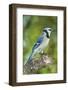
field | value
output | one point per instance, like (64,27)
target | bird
(41,43)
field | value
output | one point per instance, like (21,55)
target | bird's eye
(49,29)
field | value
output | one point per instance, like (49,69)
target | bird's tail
(30,58)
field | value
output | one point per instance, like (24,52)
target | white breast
(44,43)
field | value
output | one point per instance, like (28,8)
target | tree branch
(37,63)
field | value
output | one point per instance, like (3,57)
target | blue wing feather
(39,41)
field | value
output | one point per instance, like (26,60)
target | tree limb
(37,63)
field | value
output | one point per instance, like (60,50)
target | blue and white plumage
(41,43)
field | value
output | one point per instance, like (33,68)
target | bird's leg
(41,52)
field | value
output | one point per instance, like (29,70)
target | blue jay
(41,43)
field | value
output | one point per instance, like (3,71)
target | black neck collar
(46,33)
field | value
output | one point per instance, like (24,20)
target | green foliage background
(32,29)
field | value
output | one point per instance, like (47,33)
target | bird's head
(47,32)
